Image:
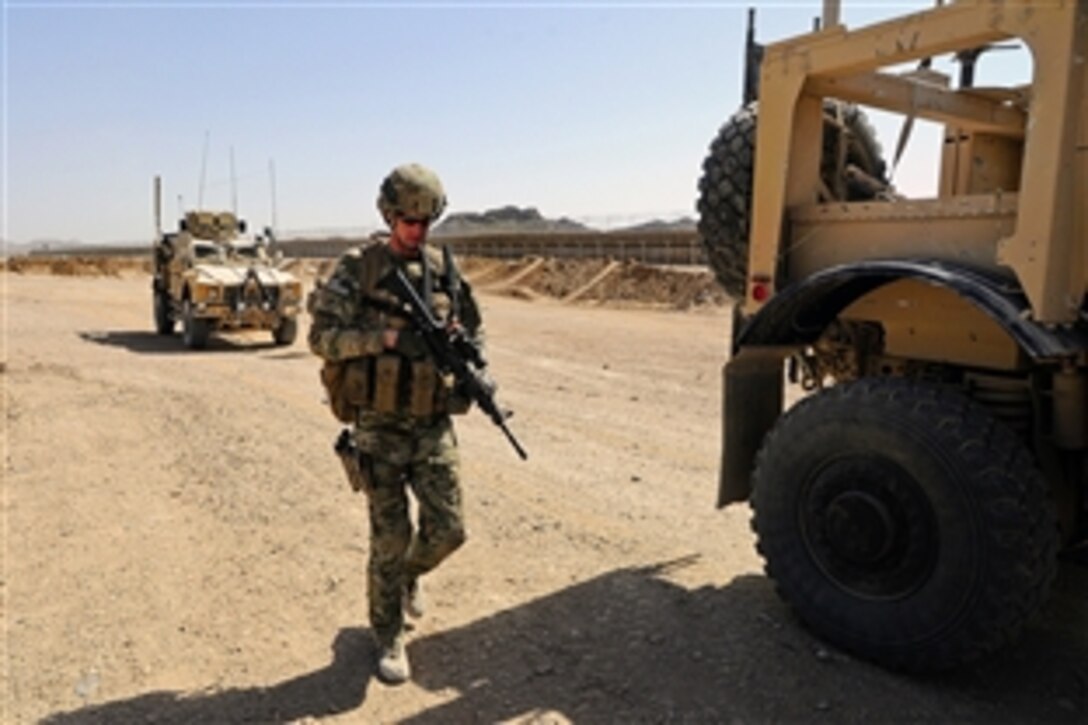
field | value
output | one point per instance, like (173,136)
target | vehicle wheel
(194,330)
(903,523)
(286,332)
(164,323)
(725,189)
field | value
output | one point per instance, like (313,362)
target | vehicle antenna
(272,189)
(157,193)
(233,185)
(203,169)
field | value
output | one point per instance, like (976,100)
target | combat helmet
(411,190)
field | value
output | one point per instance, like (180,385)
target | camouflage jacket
(351,313)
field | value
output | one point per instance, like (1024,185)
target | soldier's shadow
(148,342)
(337,688)
(631,645)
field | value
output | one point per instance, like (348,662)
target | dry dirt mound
(598,280)
(484,272)
(562,277)
(673,287)
(76,266)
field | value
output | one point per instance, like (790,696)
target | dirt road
(181,546)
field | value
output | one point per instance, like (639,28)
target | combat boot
(393,661)
(413,599)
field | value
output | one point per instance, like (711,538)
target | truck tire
(285,332)
(725,189)
(194,330)
(903,523)
(164,323)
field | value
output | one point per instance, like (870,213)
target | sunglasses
(413,221)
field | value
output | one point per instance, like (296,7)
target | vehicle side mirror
(242,226)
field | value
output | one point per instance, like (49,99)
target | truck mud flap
(752,383)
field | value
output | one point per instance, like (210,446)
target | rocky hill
(658,225)
(518,220)
(504,220)
(12,249)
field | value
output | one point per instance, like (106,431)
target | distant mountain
(513,219)
(684,224)
(40,245)
(504,220)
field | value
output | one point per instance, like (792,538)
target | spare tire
(725,189)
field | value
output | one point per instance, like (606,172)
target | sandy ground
(180,545)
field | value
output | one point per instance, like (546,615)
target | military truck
(211,277)
(913,504)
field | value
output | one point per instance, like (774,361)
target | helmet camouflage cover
(411,190)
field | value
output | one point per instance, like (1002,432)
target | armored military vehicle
(912,506)
(211,276)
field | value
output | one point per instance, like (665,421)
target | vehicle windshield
(246,249)
(205,250)
(249,250)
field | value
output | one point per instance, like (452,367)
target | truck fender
(801,312)
(752,380)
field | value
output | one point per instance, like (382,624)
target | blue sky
(601,111)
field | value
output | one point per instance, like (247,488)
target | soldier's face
(409,234)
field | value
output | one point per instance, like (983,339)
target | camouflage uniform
(403,447)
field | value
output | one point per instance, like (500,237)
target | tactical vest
(390,382)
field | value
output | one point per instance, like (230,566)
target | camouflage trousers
(403,453)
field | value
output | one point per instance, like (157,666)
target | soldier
(381,378)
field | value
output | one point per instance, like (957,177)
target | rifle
(453,351)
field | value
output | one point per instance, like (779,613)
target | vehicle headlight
(207,293)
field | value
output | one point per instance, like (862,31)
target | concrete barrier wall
(652,247)
(660,247)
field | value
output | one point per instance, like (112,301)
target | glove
(411,345)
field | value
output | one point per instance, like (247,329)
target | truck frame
(912,506)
